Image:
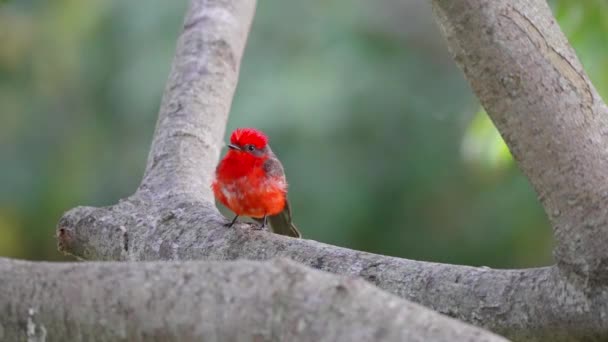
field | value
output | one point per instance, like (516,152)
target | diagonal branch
(197,99)
(194,301)
(530,82)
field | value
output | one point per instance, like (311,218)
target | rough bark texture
(196,301)
(530,304)
(530,82)
(194,110)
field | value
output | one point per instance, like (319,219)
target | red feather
(244,136)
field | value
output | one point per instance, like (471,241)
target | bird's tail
(282,223)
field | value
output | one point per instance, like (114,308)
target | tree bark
(530,82)
(195,301)
(197,99)
(531,304)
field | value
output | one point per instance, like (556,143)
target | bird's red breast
(244,182)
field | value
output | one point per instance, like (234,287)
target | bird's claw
(256,226)
(231,223)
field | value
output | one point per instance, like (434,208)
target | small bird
(250,181)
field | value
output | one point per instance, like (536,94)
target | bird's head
(250,141)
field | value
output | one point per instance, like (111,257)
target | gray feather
(280,223)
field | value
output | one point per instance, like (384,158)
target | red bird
(250,181)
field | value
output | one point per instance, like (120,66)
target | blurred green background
(385,147)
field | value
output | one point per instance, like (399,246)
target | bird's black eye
(250,148)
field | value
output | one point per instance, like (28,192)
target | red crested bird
(250,181)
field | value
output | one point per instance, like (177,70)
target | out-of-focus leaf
(483,146)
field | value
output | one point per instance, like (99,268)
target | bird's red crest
(244,136)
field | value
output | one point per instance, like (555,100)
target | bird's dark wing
(280,223)
(272,166)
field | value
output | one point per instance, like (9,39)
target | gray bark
(529,81)
(195,106)
(531,304)
(206,301)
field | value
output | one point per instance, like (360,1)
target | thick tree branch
(533,304)
(195,301)
(197,99)
(529,80)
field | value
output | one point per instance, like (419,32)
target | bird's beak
(234,147)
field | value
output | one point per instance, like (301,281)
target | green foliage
(482,145)
(586,25)
(369,115)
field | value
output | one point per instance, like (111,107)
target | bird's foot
(231,223)
(262,224)
(257,226)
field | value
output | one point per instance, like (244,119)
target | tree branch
(197,99)
(195,301)
(530,82)
(521,304)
